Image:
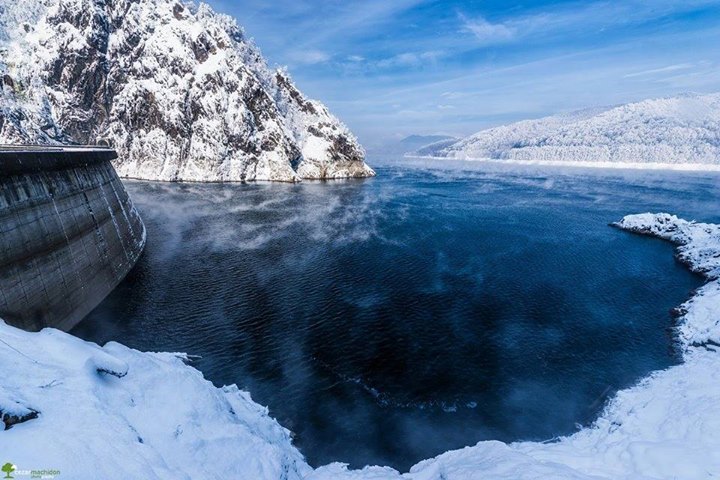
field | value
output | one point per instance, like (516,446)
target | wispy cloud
(574,18)
(487,33)
(347,19)
(410,59)
(661,70)
(417,66)
(309,57)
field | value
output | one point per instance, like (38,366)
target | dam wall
(69,234)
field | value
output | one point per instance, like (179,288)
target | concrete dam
(69,234)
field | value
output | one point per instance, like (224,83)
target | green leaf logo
(8,468)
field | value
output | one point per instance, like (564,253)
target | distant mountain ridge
(683,129)
(424,139)
(411,143)
(177,88)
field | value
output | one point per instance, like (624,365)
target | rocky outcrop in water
(177,89)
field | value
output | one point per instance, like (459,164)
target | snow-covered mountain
(177,89)
(676,130)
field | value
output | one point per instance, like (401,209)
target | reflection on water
(390,319)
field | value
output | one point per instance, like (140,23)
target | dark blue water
(387,320)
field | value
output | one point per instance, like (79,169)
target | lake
(390,319)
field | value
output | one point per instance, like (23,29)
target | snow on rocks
(486,461)
(162,420)
(664,132)
(105,364)
(699,249)
(176,88)
(697,242)
(14,411)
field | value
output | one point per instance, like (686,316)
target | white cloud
(661,70)
(595,16)
(411,59)
(488,33)
(355,58)
(452,95)
(309,57)
(344,20)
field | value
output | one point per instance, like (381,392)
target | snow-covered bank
(680,167)
(114,412)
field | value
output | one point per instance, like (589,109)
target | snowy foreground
(667,132)
(116,413)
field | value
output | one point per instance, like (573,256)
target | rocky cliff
(177,89)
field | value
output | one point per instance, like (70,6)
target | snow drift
(177,89)
(113,412)
(669,131)
(116,413)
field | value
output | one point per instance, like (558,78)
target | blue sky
(390,68)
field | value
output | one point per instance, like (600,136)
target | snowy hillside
(116,413)
(676,130)
(177,88)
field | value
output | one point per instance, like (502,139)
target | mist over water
(387,320)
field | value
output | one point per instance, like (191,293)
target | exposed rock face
(13,412)
(177,89)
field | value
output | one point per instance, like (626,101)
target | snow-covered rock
(157,418)
(667,131)
(161,420)
(699,249)
(176,88)
(13,411)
